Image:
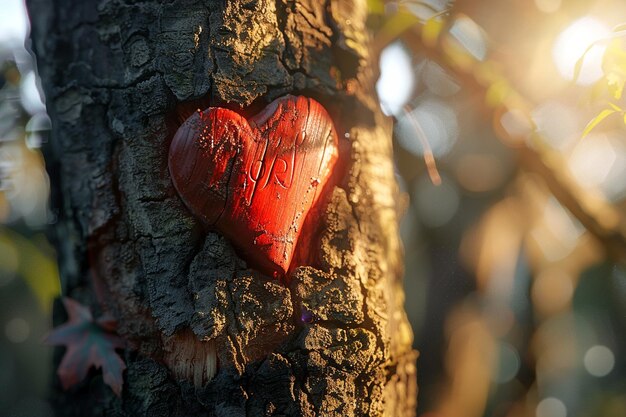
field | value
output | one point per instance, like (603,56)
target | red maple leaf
(89,343)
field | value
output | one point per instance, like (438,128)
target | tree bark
(118,75)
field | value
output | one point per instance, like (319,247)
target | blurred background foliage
(510,150)
(515,261)
(28,274)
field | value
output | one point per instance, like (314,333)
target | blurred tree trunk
(117,75)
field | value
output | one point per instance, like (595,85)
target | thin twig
(601,218)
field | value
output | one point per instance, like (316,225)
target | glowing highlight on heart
(255,181)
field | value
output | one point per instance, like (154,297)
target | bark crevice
(118,76)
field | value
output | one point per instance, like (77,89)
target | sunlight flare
(571,45)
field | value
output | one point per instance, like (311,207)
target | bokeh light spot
(557,123)
(17,330)
(436,204)
(13,21)
(551,407)
(425,9)
(30,94)
(438,80)
(439,125)
(395,85)
(599,360)
(508,364)
(516,124)
(470,36)
(599,161)
(571,44)
(558,232)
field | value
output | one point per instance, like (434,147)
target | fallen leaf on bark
(89,343)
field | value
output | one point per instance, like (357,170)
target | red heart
(256,182)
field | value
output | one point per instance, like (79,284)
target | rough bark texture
(117,75)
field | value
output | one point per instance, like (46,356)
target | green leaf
(404,19)
(581,60)
(615,85)
(431,30)
(597,120)
(614,68)
(615,107)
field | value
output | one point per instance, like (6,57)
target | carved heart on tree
(256,181)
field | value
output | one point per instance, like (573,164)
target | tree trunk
(118,75)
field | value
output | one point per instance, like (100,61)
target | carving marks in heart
(256,181)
